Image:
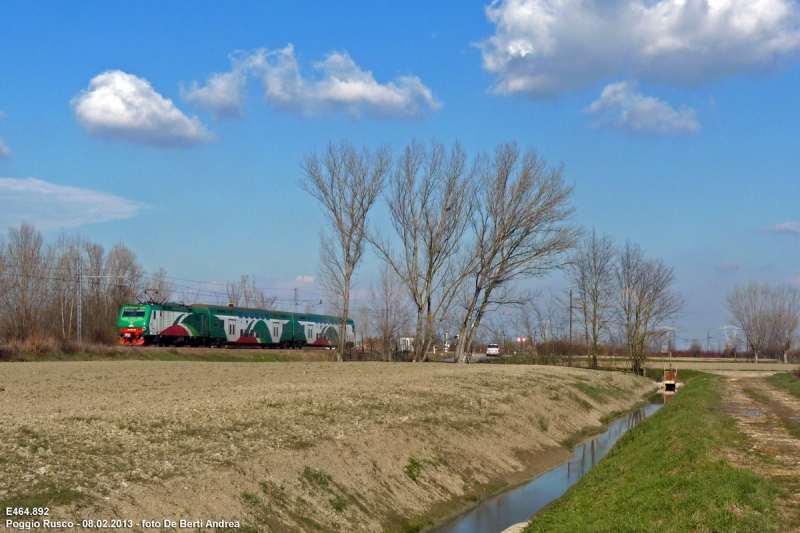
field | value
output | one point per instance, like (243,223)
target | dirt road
(288,447)
(770,417)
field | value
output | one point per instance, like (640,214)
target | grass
(49,350)
(413,469)
(786,381)
(667,475)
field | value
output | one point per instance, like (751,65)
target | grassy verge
(786,381)
(666,474)
(97,352)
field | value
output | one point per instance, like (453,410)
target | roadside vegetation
(788,381)
(668,474)
(52,350)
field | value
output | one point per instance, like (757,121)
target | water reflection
(521,503)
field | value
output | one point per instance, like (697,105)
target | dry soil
(289,447)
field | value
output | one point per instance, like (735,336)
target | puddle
(518,505)
(748,412)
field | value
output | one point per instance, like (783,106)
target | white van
(492,350)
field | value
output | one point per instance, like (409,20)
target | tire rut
(771,419)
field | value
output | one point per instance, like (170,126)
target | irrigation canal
(519,504)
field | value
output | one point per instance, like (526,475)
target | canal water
(519,504)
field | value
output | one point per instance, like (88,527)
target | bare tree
(645,301)
(748,310)
(769,317)
(347,184)
(591,274)
(784,314)
(157,288)
(429,205)
(67,261)
(27,284)
(522,230)
(389,309)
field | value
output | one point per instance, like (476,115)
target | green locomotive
(214,325)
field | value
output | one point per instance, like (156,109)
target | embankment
(289,447)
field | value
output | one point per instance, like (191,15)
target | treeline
(462,233)
(39,286)
(46,287)
(768,316)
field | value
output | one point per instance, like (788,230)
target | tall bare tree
(522,230)
(389,308)
(429,203)
(645,301)
(590,273)
(346,183)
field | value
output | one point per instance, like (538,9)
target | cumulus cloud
(785,227)
(304,279)
(122,107)
(51,206)
(337,85)
(223,95)
(545,47)
(621,107)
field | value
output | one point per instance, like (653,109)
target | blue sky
(178,128)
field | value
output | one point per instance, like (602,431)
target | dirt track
(770,417)
(289,447)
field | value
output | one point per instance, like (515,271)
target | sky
(178,128)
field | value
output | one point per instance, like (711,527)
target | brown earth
(289,446)
(770,417)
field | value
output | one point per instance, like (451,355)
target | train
(200,325)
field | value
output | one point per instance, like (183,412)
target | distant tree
(645,301)
(27,282)
(522,229)
(696,349)
(157,288)
(389,307)
(110,281)
(429,203)
(591,274)
(768,317)
(346,183)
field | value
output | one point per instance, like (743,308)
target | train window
(276,331)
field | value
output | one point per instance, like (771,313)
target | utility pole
(295,299)
(570,316)
(708,340)
(80,301)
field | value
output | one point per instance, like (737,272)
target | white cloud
(620,106)
(122,107)
(786,227)
(343,86)
(304,279)
(223,94)
(545,47)
(52,206)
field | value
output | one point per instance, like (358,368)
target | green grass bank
(668,474)
(786,381)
